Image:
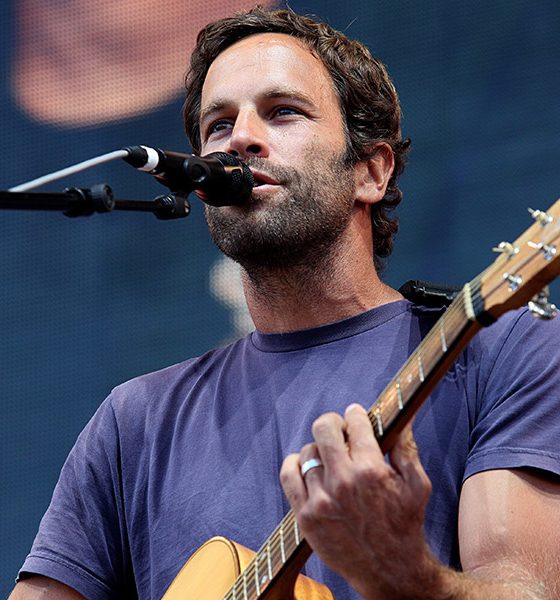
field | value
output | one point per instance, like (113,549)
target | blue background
(88,303)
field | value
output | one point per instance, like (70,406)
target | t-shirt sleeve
(82,540)
(516,421)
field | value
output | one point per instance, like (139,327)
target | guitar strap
(432,295)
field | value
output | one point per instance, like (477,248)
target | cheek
(293,146)
(216,143)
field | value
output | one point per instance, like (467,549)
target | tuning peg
(540,216)
(541,307)
(549,250)
(506,248)
(514,281)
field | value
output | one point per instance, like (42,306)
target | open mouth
(261,179)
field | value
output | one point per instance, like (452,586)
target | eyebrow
(286,92)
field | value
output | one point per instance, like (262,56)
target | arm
(364,518)
(43,588)
(82,537)
(509,526)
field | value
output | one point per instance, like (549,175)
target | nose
(248,136)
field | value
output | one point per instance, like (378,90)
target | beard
(298,224)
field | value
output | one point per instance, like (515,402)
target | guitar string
(406,374)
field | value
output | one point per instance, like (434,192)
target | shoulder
(142,412)
(165,389)
(517,353)
(517,338)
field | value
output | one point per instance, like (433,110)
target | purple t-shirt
(175,457)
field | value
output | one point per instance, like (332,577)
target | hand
(363,516)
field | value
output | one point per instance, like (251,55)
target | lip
(262,179)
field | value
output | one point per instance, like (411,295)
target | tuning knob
(514,281)
(540,216)
(506,248)
(549,250)
(541,307)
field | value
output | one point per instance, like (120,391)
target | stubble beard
(298,225)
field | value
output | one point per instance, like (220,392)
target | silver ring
(312,463)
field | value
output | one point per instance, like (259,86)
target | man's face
(269,101)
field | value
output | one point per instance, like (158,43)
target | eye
(217,126)
(285,111)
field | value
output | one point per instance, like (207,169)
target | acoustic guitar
(224,570)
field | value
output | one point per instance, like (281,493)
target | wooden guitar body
(214,567)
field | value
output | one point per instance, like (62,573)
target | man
(175,457)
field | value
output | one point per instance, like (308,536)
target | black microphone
(218,178)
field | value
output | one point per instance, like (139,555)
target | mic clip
(99,198)
(84,202)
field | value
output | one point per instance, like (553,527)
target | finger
(311,467)
(362,445)
(292,482)
(405,460)
(329,432)
(405,450)
(307,452)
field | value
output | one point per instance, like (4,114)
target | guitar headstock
(524,266)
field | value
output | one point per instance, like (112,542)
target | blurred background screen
(87,303)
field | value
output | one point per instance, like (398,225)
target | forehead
(268,60)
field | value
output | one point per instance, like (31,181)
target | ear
(373,174)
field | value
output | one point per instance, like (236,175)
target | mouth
(263,179)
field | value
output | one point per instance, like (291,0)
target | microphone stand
(83,202)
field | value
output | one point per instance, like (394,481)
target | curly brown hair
(368,99)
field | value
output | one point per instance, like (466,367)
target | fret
(420,365)
(442,334)
(268,559)
(244,584)
(379,421)
(399,393)
(282,549)
(257,583)
(468,303)
(263,578)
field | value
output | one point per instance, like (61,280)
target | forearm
(433,581)
(507,582)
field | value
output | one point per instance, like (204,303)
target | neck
(295,298)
